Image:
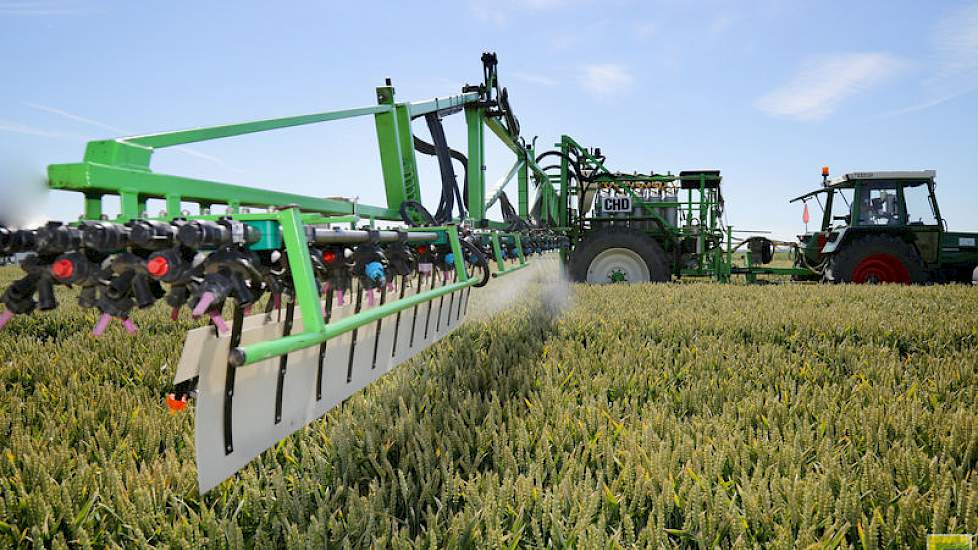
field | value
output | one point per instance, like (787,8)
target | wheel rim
(618,265)
(881,268)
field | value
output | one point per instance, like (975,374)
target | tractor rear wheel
(619,255)
(877,259)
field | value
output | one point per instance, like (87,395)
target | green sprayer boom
(347,299)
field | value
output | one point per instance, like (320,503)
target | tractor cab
(884,198)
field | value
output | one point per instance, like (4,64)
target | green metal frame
(121,167)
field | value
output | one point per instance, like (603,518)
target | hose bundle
(516,223)
(449,184)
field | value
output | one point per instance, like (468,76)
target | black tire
(965,274)
(877,258)
(597,241)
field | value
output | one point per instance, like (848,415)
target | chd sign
(616,204)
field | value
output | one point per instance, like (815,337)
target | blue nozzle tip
(375,271)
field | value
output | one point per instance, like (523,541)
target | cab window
(920,209)
(880,205)
(842,206)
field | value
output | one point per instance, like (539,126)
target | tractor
(884,227)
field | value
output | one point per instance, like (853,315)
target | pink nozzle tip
(102,324)
(130,326)
(175,313)
(339,297)
(219,322)
(206,299)
(277,300)
(444,276)
(5,317)
(247,310)
(325,288)
(370,298)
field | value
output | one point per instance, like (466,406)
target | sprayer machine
(325,295)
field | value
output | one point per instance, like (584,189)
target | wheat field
(683,415)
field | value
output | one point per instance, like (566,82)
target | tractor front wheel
(619,255)
(877,259)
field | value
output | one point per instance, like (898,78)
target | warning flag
(804,215)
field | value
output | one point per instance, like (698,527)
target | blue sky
(765,91)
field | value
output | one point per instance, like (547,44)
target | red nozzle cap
(175,404)
(63,269)
(329,256)
(158,266)
(423,249)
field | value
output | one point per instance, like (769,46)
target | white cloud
(23,129)
(954,61)
(488,11)
(535,78)
(823,83)
(607,79)
(38,8)
(543,4)
(498,12)
(956,44)
(645,30)
(78,118)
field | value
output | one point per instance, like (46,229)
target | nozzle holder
(153,235)
(205,234)
(56,238)
(104,236)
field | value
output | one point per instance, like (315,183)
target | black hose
(426,148)
(449,185)
(476,258)
(574,164)
(516,223)
(512,123)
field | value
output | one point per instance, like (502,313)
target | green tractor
(884,227)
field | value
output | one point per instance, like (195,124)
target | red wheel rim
(881,268)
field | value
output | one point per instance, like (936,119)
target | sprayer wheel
(619,254)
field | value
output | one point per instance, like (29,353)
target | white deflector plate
(346,368)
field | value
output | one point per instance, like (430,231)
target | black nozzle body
(207,234)
(105,236)
(152,235)
(56,238)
